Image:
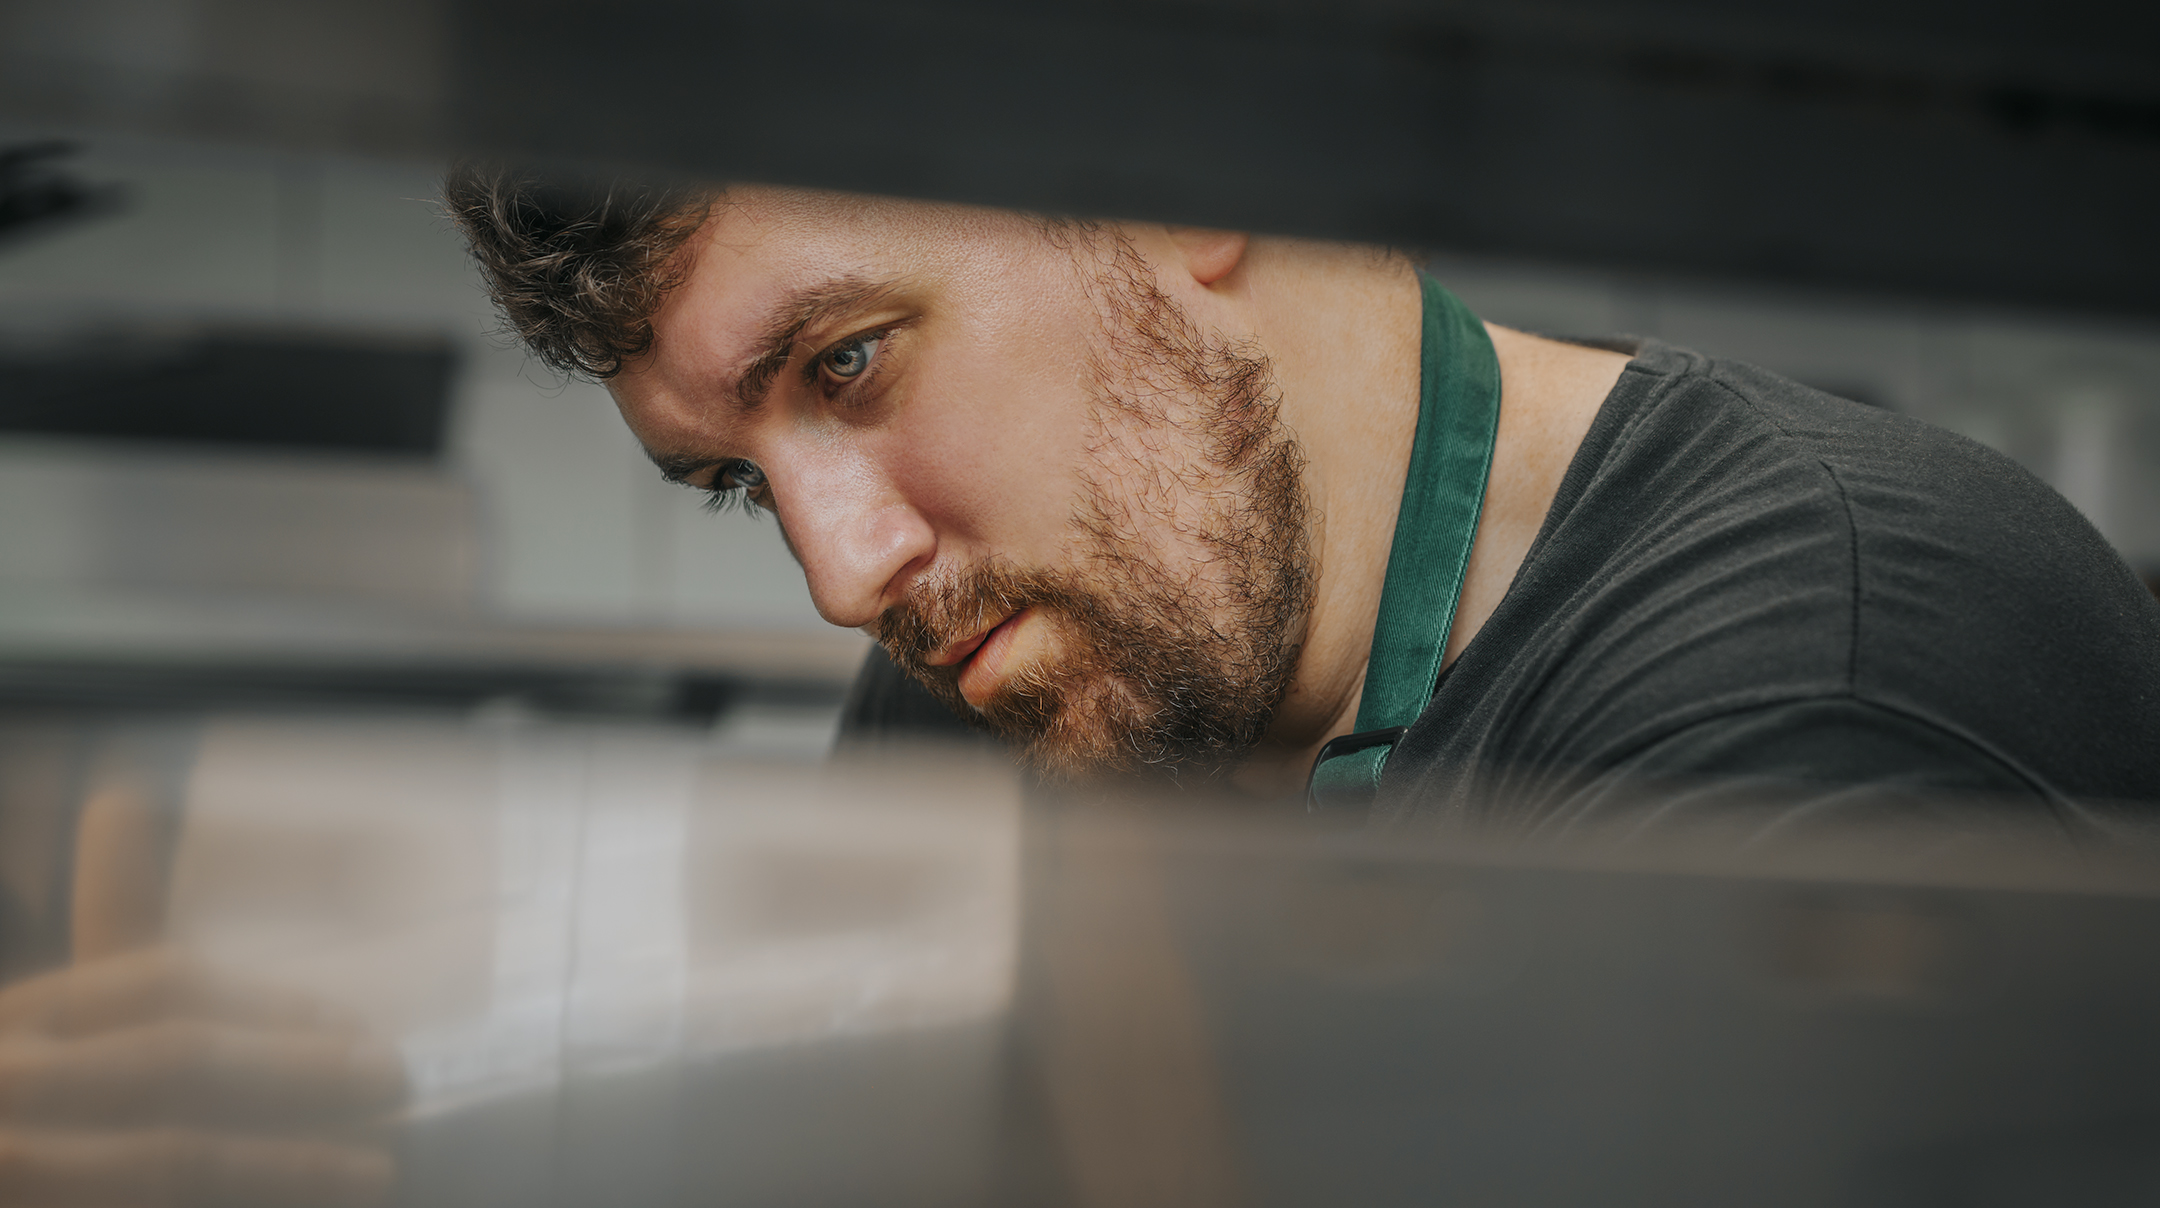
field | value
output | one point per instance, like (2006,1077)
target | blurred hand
(145,1078)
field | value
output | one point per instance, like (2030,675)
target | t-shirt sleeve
(1810,765)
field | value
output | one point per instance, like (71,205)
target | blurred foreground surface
(529,962)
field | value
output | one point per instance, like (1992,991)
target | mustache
(938,612)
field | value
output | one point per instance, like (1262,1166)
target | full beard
(1178,624)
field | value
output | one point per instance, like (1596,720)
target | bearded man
(1143,498)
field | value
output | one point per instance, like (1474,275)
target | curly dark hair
(576,265)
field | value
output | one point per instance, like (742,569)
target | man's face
(1004,450)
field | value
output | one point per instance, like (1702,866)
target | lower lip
(979,679)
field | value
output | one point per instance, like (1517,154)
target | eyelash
(721,500)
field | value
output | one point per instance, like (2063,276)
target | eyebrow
(783,325)
(785,322)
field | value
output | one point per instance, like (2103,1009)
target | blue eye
(735,486)
(741,476)
(851,358)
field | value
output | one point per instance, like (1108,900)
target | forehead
(763,246)
(801,226)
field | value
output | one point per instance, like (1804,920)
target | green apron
(1458,417)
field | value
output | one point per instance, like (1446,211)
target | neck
(1344,328)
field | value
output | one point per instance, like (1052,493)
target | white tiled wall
(574,524)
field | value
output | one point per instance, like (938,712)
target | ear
(1209,255)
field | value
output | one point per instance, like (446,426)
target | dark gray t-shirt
(1744,585)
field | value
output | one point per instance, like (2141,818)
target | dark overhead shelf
(1984,152)
(263,389)
(1978,150)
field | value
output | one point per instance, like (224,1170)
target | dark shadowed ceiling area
(1987,151)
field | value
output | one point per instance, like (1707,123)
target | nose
(858,539)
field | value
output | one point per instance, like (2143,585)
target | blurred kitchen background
(341,641)
(259,438)
(260,446)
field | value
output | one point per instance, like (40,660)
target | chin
(1112,735)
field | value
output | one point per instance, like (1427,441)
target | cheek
(994,453)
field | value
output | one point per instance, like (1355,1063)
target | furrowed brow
(782,327)
(786,322)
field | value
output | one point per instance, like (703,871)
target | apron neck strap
(1458,419)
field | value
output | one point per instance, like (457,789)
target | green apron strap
(1458,418)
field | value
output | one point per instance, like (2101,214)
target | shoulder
(1983,601)
(1695,561)
(1729,540)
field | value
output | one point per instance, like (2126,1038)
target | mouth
(982,658)
(958,652)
